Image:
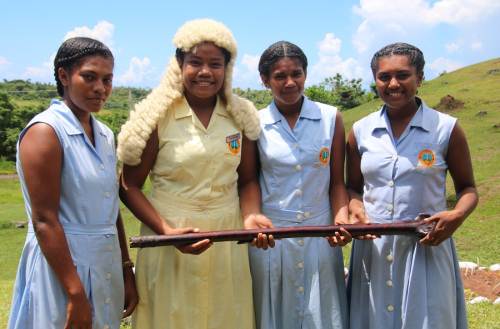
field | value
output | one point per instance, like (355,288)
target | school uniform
(88,210)
(300,282)
(394,281)
(194,184)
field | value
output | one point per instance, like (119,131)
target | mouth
(203,83)
(394,94)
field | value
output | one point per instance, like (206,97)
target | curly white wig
(143,120)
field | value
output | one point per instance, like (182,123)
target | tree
(347,93)
(6,114)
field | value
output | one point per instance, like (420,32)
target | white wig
(145,117)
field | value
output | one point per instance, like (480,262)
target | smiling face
(397,81)
(286,80)
(203,71)
(88,84)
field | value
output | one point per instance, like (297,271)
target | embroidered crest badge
(234,143)
(324,156)
(426,158)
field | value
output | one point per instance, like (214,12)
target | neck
(403,113)
(82,116)
(201,104)
(290,110)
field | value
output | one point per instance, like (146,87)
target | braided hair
(277,51)
(415,56)
(72,51)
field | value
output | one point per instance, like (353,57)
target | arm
(460,167)
(43,181)
(249,192)
(131,297)
(131,182)
(338,194)
(355,181)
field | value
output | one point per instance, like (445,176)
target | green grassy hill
(478,87)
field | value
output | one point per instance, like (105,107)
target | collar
(72,126)
(184,110)
(309,110)
(420,118)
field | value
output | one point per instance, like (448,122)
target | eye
(87,77)
(402,75)
(279,76)
(297,74)
(384,77)
(108,81)
(216,65)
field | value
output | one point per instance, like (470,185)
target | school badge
(234,143)
(324,156)
(426,158)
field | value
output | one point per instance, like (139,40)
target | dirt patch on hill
(482,283)
(449,103)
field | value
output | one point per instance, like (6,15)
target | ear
(420,78)
(63,76)
(265,81)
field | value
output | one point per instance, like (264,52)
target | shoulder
(324,109)
(437,120)
(368,120)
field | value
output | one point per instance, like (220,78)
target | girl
(397,163)
(300,155)
(187,135)
(75,262)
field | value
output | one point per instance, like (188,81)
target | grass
(477,239)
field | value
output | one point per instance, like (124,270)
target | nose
(393,83)
(99,86)
(204,70)
(289,82)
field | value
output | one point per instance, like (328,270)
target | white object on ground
(467,265)
(495,267)
(497,301)
(479,299)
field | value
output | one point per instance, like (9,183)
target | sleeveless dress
(88,210)
(300,282)
(394,281)
(194,183)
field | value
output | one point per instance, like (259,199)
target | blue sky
(337,36)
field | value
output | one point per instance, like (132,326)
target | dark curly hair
(415,56)
(72,51)
(277,51)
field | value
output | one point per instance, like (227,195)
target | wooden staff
(414,227)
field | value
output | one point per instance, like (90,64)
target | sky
(337,36)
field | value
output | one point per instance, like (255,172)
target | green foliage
(260,98)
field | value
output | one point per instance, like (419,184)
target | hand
(131,296)
(255,221)
(340,239)
(446,223)
(194,248)
(358,216)
(78,312)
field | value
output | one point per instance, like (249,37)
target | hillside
(478,87)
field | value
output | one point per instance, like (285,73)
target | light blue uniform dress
(394,281)
(300,282)
(88,212)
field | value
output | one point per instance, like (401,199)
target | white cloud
(330,62)
(444,64)
(102,31)
(476,45)
(387,20)
(137,71)
(42,73)
(452,47)
(247,72)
